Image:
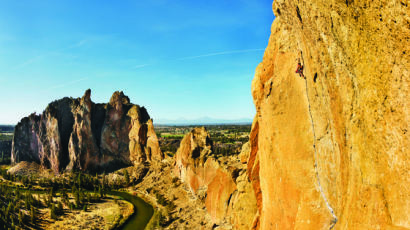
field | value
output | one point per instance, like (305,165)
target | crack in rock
(334,221)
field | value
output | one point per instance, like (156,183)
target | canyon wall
(331,150)
(77,134)
(220,182)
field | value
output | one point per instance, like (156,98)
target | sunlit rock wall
(333,149)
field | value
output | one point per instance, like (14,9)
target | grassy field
(227,139)
(171,135)
(6,136)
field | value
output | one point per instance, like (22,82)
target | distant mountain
(202,121)
(6,128)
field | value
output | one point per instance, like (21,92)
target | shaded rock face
(25,146)
(44,138)
(83,148)
(333,149)
(114,134)
(214,182)
(77,134)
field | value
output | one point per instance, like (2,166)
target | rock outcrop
(27,146)
(222,183)
(44,138)
(332,150)
(83,149)
(243,210)
(144,144)
(77,134)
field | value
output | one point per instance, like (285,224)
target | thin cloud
(28,62)
(201,56)
(78,44)
(68,83)
(140,66)
(36,58)
(220,53)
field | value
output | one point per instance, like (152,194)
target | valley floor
(108,212)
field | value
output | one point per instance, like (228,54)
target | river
(142,212)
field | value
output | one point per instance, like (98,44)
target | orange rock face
(225,202)
(143,141)
(243,211)
(194,151)
(332,149)
(253,168)
(218,193)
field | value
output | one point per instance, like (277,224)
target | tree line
(19,207)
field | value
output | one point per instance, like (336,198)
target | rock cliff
(331,150)
(222,183)
(77,134)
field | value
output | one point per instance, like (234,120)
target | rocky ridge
(77,134)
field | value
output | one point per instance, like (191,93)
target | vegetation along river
(142,210)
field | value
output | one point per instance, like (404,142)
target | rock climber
(299,70)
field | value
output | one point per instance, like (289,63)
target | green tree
(53,214)
(60,207)
(79,180)
(73,189)
(82,197)
(51,192)
(127,177)
(77,199)
(21,218)
(32,214)
(104,180)
(2,156)
(101,192)
(89,197)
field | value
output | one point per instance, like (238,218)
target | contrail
(140,66)
(31,60)
(200,56)
(68,83)
(221,53)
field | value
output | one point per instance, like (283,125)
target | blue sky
(179,59)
